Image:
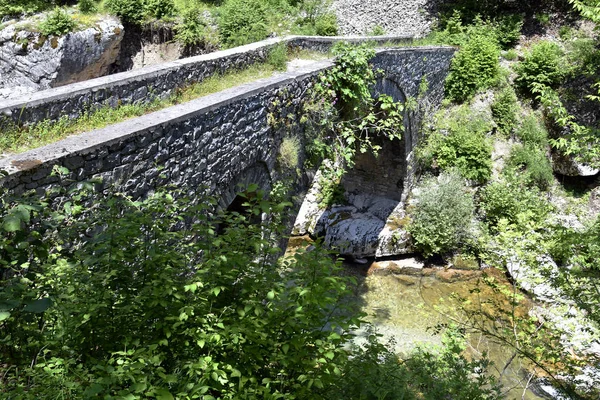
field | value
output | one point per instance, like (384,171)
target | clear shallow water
(407,308)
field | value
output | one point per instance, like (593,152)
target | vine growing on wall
(347,116)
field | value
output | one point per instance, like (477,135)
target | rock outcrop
(565,165)
(368,226)
(30,61)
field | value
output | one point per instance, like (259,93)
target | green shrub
(87,6)
(511,55)
(475,66)
(58,22)
(159,8)
(278,57)
(192,30)
(532,164)
(464,145)
(543,65)
(504,110)
(511,200)
(242,22)
(130,11)
(532,132)
(13,8)
(584,56)
(326,25)
(289,152)
(441,217)
(376,30)
(508,29)
(543,18)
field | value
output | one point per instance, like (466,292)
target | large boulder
(368,226)
(30,61)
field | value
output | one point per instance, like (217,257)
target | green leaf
(163,394)
(4,315)
(11,223)
(38,306)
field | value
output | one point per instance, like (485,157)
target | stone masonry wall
(145,84)
(209,142)
(215,141)
(409,73)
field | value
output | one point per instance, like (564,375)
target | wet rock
(30,61)
(406,266)
(351,233)
(456,275)
(532,280)
(394,239)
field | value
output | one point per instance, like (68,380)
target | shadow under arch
(232,197)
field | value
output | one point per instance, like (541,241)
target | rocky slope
(30,61)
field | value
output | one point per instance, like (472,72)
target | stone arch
(389,86)
(257,174)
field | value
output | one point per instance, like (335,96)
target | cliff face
(406,17)
(30,61)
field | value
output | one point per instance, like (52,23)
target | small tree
(441,218)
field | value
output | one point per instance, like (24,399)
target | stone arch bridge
(217,141)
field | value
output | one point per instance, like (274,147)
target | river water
(408,308)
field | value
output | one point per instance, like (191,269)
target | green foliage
(376,30)
(582,142)
(475,65)
(441,218)
(326,25)
(459,142)
(242,22)
(508,29)
(504,110)
(192,30)
(532,132)
(589,9)
(533,164)
(278,57)
(511,201)
(429,373)
(289,152)
(10,8)
(87,6)
(141,307)
(511,55)
(543,66)
(543,18)
(348,117)
(58,22)
(159,8)
(130,11)
(584,56)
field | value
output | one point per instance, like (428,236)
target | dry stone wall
(395,17)
(208,142)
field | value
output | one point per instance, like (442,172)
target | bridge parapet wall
(208,142)
(146,84)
